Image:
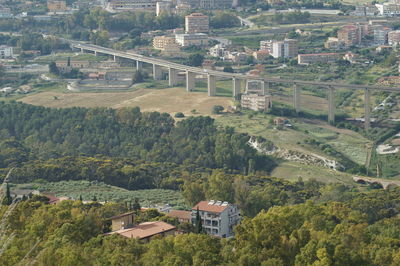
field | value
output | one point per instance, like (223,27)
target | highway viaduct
(174,68)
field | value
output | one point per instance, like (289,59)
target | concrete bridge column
(236,87)
(139,65)
(190,80)
(172,77)
(211,85)
(115,58)
(157,72)
(331,105)
(367,116)
(296,98)
(82,51)
(95,53)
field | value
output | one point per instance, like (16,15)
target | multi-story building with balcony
(218,218)
(394,38)
(197,22)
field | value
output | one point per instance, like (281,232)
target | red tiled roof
(145,230)
(204,206)
(180,214)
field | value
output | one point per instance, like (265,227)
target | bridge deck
(198,70)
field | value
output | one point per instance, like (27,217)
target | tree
(53,68)
(179,115)
(138,76)
(94,198)
(80,198)
(195,59)
(7,200)
(228,69)
(199,224)
(136,205)
(217,109)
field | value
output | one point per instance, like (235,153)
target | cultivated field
(170,100)
(103,192)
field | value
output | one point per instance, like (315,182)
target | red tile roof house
(218,218)
(146,231)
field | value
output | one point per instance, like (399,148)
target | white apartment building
(388,9)
(287,48)
(218,218)
(6,51)
(196,39)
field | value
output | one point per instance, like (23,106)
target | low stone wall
(88,84)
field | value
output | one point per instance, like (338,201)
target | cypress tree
(199,225)
(7,200)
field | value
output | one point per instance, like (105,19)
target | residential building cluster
(216,217)
(178,7)
(386,9)
(372,33)
(195,34)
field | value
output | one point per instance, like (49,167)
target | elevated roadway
(212,75)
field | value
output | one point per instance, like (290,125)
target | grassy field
(87,190)
(170,100)
(293,171)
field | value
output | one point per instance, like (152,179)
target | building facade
(381,35)
(193,39)
(122,221)
(287,48)
(131,5)
(209,4)
(6,51)
(305,59)
(256,102)
(163,7)
(164,42)
(349,35)
(218,218)
(197,22)
(394,37)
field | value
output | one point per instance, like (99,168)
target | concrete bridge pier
(212,89)
(95,53)
(115,58)
(172,77)
(139,65)
(296,97)
(236,87)
(190,80)
(82,51)
(367,110)
(331,105)
(157,72)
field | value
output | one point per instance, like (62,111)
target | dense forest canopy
(362,230)
(30,132)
